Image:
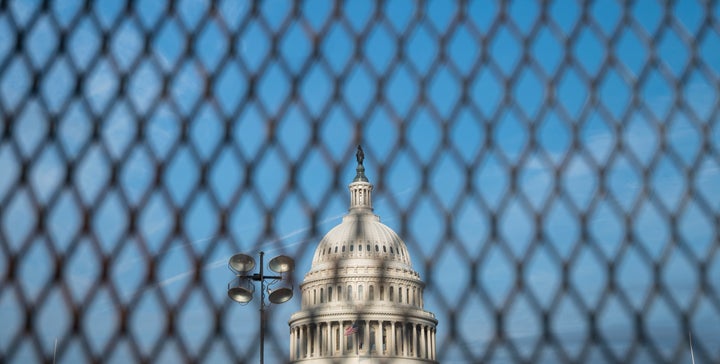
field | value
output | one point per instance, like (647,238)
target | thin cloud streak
(223,261)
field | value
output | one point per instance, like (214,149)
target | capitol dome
(361,239)
(361,298)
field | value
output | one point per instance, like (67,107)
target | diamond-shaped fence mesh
(553,166)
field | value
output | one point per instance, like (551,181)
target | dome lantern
(360,188)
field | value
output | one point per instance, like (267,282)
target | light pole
(241,288)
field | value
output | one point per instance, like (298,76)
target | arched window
(371,293)
(359,247)
(329,294)
(343,248)
(368,247)
(407,295)
(384,249)
(390,294)
(399,294)
(376,248)
(322,297)
(335,249)
(349,292)
(391,251)
(339,297)
(351,247)
(314,296)
(382,293)
(360,293)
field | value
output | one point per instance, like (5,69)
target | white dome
(359,238)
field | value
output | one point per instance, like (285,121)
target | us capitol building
(361,300)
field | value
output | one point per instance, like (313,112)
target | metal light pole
(241,288)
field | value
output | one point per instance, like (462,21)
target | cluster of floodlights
(241,288)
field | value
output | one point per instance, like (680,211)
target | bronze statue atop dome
(360,156)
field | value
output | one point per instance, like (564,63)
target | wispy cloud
(223,261)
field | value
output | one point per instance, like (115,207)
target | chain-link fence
(553,166)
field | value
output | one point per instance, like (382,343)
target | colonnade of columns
(371,337)
(360,195)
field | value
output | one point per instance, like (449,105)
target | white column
(413,340)
(326,339)
(331,337)
(292,344)
(299,343)
(401,339)
(316,344)
(328,349)
(404,332)
(308,342)
(323,338)
(433,353)
(423,342)
(432,342)
(378,338)
(392,349)
(343,338)
(366,337)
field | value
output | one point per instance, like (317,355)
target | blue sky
(559,142)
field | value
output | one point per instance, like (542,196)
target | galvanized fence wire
(553,166)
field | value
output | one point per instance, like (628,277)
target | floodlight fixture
(241,263)
(280,295)
(282,264)
(241,288)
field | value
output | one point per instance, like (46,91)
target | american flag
(351,329)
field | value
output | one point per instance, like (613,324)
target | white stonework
(361,276)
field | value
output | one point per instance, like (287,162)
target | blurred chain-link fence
(553,166)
